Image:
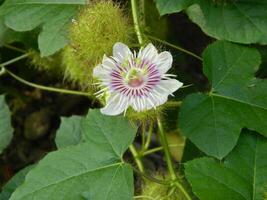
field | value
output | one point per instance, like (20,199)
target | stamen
(133,80)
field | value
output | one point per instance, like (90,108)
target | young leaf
(213,121)
(116,131)
(54,16)
(242,176)
(237,21)
(6,130)
(69,132)
(14,182)
(91,170)
(171,6)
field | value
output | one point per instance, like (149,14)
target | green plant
(124,150)
(93,34)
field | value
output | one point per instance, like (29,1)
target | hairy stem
(173,103)
(143,135)
(149,135)
(175,47)
(143,197)
(166,149)
(14,48)
(170,166)
(154,150)
(143,12)
(150,178)
(137,158)
(50,89)
(2,71)
(14,60)
(136,22)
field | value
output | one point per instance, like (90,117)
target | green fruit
(93,34)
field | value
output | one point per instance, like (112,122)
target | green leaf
(54,16)
(242,176)
(237,21)
(6,130)
(171,6)
(191,152)
(69,132)
(92,170)
(213,121)
(14,182)
(116,131)
(69,172)
(7,35)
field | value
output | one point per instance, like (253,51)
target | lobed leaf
(117,132)
(236,21)
(70,131)
(237,99)
(93,169)
(241,176)
(53,16)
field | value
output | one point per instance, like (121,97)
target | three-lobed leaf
(237,99)
(117,131)
(6,130)
(90,170)
(53,16)
(237,21)
(69,132)
(242,176)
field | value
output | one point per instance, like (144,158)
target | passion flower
(136,80)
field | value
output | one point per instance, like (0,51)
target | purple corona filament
(137,81)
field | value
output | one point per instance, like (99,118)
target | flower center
(135,77)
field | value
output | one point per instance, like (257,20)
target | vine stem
(153,179)
(136,22)
(143,197)
(170,166)
(156,149)
(149,135)
(143,135)
(175,47)
(2,71)
(173,103)
(15,48)
(42,87)
(50,89)
(166,149)
(136,158)
(15,60)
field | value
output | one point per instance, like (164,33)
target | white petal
(159,95)
(100,72)
(108,63)
(121,52)
(158,98)
(115,105)
(138,104)
(164,62)
(169,86)
(149,53)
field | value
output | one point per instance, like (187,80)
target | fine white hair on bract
(135,80)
